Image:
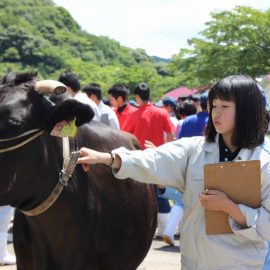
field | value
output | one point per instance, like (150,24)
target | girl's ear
(69,110)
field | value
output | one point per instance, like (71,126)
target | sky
(161,27)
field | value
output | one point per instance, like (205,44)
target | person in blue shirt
(194,125)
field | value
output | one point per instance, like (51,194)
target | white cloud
(161,27)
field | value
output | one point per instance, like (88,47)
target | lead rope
(21,135)
(11,148)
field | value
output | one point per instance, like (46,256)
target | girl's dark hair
(267,120)
(249,129)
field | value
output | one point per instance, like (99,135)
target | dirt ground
(160,257)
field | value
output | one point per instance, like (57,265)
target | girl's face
(223,115)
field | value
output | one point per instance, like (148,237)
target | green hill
(38,35)
(158,59)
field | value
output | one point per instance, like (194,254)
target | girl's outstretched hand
(89,156)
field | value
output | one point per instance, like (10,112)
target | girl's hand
(89,156)
(214,200)
(218,201)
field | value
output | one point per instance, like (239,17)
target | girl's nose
(216,115)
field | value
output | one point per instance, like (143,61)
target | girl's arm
(90,156)
(165,165)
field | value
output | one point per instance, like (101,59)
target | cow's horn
(50,87)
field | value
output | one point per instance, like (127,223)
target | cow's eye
(13,122)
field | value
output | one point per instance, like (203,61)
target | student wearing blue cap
(170,105)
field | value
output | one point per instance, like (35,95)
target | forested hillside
(38,35)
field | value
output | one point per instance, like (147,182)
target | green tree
(140,56)
(234,42)
(11,54)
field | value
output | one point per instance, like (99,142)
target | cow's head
(23,106)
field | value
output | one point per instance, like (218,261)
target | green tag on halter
(65,129)
(69,130)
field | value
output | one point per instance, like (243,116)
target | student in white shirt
(71,81)
(108,116)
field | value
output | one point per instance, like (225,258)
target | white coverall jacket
(179,164)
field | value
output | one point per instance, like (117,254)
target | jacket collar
(244,153)
(211,147)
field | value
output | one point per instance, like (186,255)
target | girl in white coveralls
(235,131)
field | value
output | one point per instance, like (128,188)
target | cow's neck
(35,174)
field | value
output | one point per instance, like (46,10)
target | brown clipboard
(240,181)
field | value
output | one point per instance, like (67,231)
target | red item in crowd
(124,115)
(149,123)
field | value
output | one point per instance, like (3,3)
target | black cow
(97,222)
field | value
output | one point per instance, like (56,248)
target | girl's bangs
(223,93)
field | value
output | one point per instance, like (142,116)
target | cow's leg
(22,242)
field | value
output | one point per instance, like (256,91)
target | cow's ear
(69,110)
